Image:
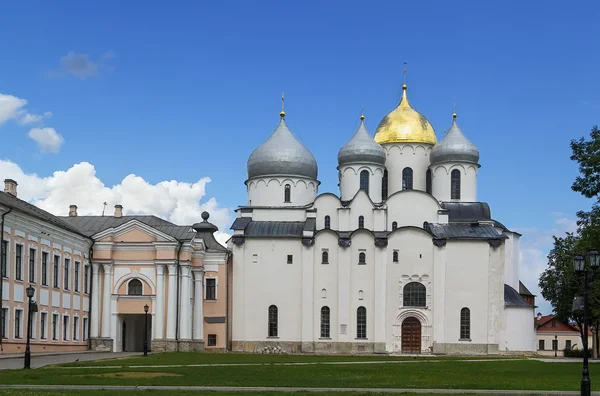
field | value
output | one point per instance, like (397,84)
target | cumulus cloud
(178,202)
(82,66)
(47,139)
(29,118)
(13,108)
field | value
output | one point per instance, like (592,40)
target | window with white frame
(134,288)
(86,278)
(32,332)
(55,269)
(210,289)
(32,265)
(65,328)
(3,260)
(19,262)
(4,318)
(76,277)
(75,328)
(43,324)
(66,273)
(45,268)
(18,323)
(85,329)
(55,327)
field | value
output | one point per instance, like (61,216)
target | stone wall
(465,349)
(101,344)
(297,347)
(177,346)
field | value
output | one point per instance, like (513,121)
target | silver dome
(454,147)
(361,148)
(282,154)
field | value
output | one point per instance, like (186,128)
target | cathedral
(404,260)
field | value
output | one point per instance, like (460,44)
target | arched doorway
(411,335)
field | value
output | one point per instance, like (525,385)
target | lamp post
(146,330)
(555,344)
(580,268)
(30,292)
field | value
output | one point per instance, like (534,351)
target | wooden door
(411,336)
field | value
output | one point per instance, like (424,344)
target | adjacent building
(553,336)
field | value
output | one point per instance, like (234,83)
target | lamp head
(30,291)
(594,258)
(578,263)
(146,307)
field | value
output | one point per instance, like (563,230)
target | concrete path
(38,360)
(293,389)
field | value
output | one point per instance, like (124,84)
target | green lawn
(32,392)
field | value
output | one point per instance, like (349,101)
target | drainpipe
(1,277)
(178,297)
(91,289)
(227,348)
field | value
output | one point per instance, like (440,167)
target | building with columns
(404,260)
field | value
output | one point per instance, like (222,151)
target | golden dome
(405,125)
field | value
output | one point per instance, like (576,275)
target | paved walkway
(15,361)
(293,389)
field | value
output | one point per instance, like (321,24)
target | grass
(32,392)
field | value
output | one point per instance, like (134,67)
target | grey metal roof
(513,299)
(282,154)
(464,231)
(361,148)
(240,223)
(467,211)
(524,290)
(280,229)
(32,210)
(454,147)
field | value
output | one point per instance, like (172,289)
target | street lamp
(580,268)
(30,292)
(555,344)
(146,330)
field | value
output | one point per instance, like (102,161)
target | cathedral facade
(404,260)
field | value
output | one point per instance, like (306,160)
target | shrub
(576,353)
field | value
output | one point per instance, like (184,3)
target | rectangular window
(555,345)
(568,344)
(66,273)
(211,289)
(31,265)
(65,328)
(43,320)
(55,327)
(18,262)
(212,340)
(75,327)
(76,279)
(255,259)
(55,271)
(45,268)
(542,345)
(290,259)
(3,259)
(361,322)
(86,277)
(85,328)
(18,318)
(4,323)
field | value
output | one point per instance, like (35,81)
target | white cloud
(29,118)
(81,65)
(48,139)
(177,202)
(11,107)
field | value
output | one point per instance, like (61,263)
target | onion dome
(454,147)
(405,125)
(282,154)
(361,148)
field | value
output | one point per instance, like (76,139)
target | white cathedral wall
(283,214)
(411,208)
(511,260)
(360,206)
(350,180)
(402,155)
(327,205)
(440,181)
(326,286)
(362,278)
(520,333)
(269,191)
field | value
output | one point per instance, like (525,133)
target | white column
(186,326)
(172,303)
(380,304)
(307,307)
(106,300)
(95,314)
(198,305)
(159,312)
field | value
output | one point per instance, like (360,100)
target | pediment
(133,231)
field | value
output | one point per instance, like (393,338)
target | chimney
(72,210)
(118,210)
(539,315)
(10,187)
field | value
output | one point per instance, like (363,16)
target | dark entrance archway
(411,335)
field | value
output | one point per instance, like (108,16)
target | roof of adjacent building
(524,291)
(514,299)
(545,324)
(24,207)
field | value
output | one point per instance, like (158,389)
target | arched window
(414,295)
(325,258)
(134,288)
(428,181)
(273,314)
(327,222)
(407,179)
(361,222)
(361,322)
(455,184)
(364,180)
(325,325)
(395,256)
(465,324)
(287,196)
(384,185)
(362,258)
(394,225)
(323,293)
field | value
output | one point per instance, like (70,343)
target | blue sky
(185,90)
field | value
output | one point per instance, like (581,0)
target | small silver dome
(361,148)
(454,147)
(282,154)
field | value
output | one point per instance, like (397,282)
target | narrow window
(43,320)
(384,185)
(407,179)
(465,324)
(325,325)
(3,322)
(134,288)
(542,345)
(290,259)
(31,265)
(362,258)
(212,340)
(323,293)
(55,271)
(361,222)
(18,317)
(85,329)
(395,256)
(55,327)
(65,328)
(394,225)
(75,328)
(364,180)
(428,181)
(66,273)
(455,184)
(273,321)
(361,322)
(325,258)
(568,345)
(211,289)
(361,295)
(86,277)
(414,295)
(288,193)
(18,262)
(45,268)
(76,280)
(3,258)
(327,222)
